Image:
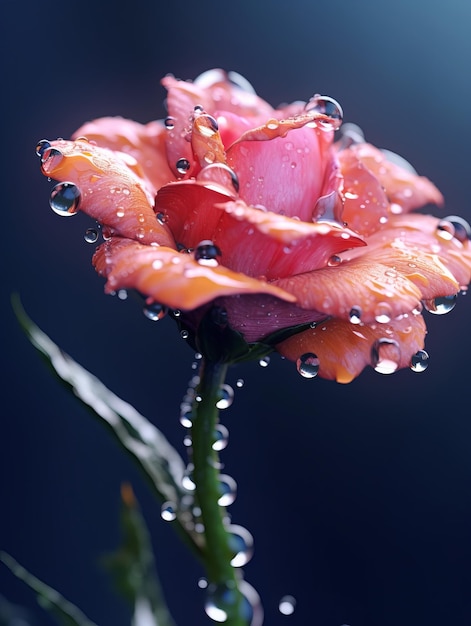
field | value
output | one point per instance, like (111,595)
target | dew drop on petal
(91,235)
(385,355)
(182,165)
(440,305)
(383,312)
(287,605)
(329,110)
(334,261)
(206,253)
(154,311)
(41,146)
(167,512)
(308,365)
(454,226)
(65,199)
(219,173)
(226,397)
(52,157)
(169,122)
(355,315)
(419,362)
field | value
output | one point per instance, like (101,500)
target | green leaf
(133,567)
(159,460)
(66,612)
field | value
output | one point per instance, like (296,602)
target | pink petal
(345,349)
(171,278)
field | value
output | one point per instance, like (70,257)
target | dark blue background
(358,496)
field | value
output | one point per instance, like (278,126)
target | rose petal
(374,291)
(111,192)
(144,142)
(171,278)
(345,349)
(404,188)
(258,243)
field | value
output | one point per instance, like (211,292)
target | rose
(252,221)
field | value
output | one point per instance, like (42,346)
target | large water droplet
(454,226)
(287,605)
(227,489)
(329,110)
(41,146)
(223,603)
(226,397)
(154,311)
(419,362)
(65,199)
(219,173)
(182,165)
(308,365)
(440,305)
(206,253)
(241,545)
(50,159)
(385,355)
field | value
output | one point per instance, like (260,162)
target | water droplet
(308,365)
(169,122)
(385,355)
(287,605)
(419,362)
(50,159)
(383,312)
(167,512)
(65,199)
(184,334)
(355,315)
(440,305)
(226,397)
(91,235)
(241,545)
(41,146)
(154,311)
(222,602)
(334,260)
(264,361)
(240,382)
(219,173)
(351,134)
(454,226)
(329,110)
(186,415)
(182,165)
(187,480)
(176,313)
(122,294)
(206,253)
(202,583)
(227,489)
(221,437)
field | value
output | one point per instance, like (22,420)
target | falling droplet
(154,311)
(287,605)
(167,512)
(454,226)
(355,315)
(308,365)
(240,544)
(385,355)
(227,489)
(91,235)
(440,305)
(329,111)
(221,438)
(419,362)
(206,253)
(65,199)
(226,397)
(264,361)
(182,165)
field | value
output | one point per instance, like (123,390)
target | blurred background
(358,496)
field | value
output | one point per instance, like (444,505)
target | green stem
(217,553)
